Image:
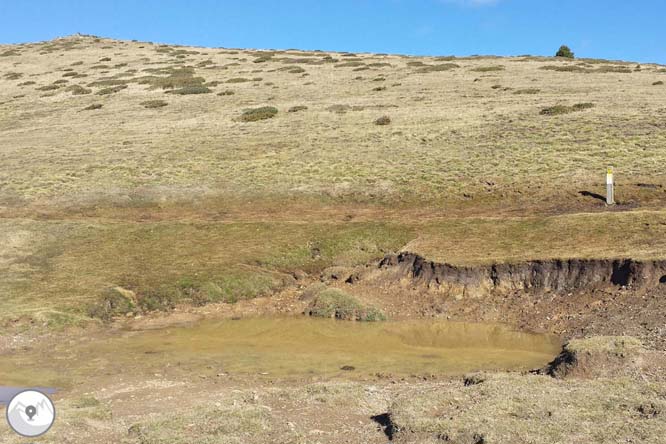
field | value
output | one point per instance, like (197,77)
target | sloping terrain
(112,150)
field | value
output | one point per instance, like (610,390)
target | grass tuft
(383,120)
(154,104)
(334,303)
(256,114)
(564,109)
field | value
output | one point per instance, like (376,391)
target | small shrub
(108,82)
(488,68)
(379,88)
(28,83)
(438,68)
(48,87)
(295,109)
(78,90)
(13,76)
(238,80)
(613,69)
(161,299)
(92,107)
(383,120)
(565,52)
(527,91)
(339,109)
(190,90)
(659,82)
(112,302)
(334,303)
(256,114)
(227,92)
(154,104)
(71,74)
(563,109)
(565,68)
(10,52)
(350,64)
(582,106)
(111,90)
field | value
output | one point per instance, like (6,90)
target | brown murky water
(284,347)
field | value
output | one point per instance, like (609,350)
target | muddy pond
(282,348)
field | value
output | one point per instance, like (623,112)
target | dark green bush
(263,113)
(564,51)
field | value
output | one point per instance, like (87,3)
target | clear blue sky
(613,29)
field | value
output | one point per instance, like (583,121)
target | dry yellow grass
(466,172)
(452,137)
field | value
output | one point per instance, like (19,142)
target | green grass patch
(334,303)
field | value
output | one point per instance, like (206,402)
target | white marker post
(610,188)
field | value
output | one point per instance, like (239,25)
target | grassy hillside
(171,125)
(145,166)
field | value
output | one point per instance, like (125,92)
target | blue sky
(613,29)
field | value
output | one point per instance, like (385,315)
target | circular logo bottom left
(30,413)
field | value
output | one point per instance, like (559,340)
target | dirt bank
(561,275)
(572,297)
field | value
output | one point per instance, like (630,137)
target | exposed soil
(571,298)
